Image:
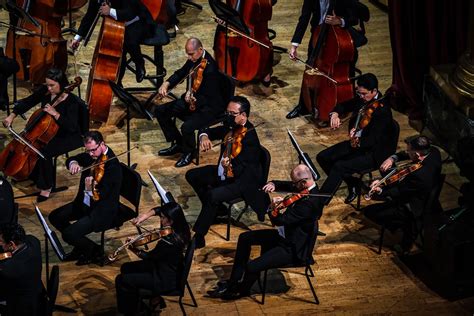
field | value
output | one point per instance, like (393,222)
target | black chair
(183,284)
(265,161)
(431,206)
(308,272)
(52,290)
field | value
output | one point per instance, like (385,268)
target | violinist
(407,196)
(96,204)
(196,109)
(332,12)
(367,148)
(67,114)
(138,25)
(161,268)
(216,184)
(20,274)
(290,244)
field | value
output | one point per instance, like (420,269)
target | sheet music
(159,188)
(53,239)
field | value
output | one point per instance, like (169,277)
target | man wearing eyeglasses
(95,207)
(370,146)
(214,184)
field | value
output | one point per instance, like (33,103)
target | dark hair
(243,102)
(93,135)
(180,226)
(368,81)
(420,144)
(59,76)
(12,232)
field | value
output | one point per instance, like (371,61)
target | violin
(98,173)
(363,119)
(196,80)
(5,255)
(233,143)
(288,200)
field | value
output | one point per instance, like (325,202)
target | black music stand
(231,17)
(50,236)
(304,157)
(130,101)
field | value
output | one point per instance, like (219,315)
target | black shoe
(200,241)
(170,151)
(230,295)
(219,289)
(72,256)
(297,111)
(41,198)
(261,217)
(140,74)
(83,260)
(185,160)
(353,194)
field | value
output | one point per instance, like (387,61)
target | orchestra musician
(214,184)
(368,147)
(20,274)
(207,100)
(8,67)
(407,196)
(161,268)
(342,13)
(138,23)
(96,205)
(67,114)
(289,244)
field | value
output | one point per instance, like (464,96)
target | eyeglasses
(233,113)
(296,183)
(88,151)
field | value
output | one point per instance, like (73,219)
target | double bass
(247,59)
(47,48)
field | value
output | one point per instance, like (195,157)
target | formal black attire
(159,272)
(300,223)
(406,199)
(209,105)
(8,67)
(20,279)
(212,189)
(100,215)
(68,137)
(377,141)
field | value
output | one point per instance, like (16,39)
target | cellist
(67,114)
(342,13)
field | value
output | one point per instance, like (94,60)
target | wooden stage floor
(350,278)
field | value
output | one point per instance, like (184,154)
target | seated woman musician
(160,269)
(66,113)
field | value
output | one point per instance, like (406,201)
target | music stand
(58,249)
(166,196)
(130,101)
(231,17)
(304,157)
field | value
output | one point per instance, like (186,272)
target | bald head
(194,49)
(301,172)
(193,43)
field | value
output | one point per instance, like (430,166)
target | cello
(36,54)
(332,54)
(246,59)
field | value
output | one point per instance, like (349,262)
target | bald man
(208,101)
(290,243)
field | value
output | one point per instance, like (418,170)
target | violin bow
(315,70)
(25,142)
(109,159)
(306,194)
(232,138)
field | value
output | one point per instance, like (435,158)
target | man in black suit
(291,243)
(216,184)
(208,102)
(20,275)
(96,205)
(8,67)
(138,23)
(408,196)
(368,147)
(337,13)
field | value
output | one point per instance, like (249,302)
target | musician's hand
(333,19)
(9,120)
(335,120)
(293,52)
(352,132)
(50,110)
(74,168)
(205,143)
(269,187)
(387,164)
(277,199)
(88,183)
(163,90)
(104,9)
(187,97)
(143,217)
(375,187)
(225,162)
(75,44)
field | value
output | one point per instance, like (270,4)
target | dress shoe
(200,241)
(140,74)
(41,198)
(72,256)
(322,124)
(185,160)
(83,260)
(297,111)
(353,194)
(170,151)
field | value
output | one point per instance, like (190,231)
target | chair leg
(382,233)
(264,288)
(242,212)
(311,273)
(181,305)
(229,217)
(308,268)
(102,246)
(191,294)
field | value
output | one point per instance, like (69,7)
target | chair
(431,206)
(308,272)
(183,283)
(265,161)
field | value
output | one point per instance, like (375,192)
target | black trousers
(135,33)
(275,253)
(212,191)
(75,234)
(339,162)
(192,121)
(8,67)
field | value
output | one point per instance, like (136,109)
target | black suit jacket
(311,11)
(20,279)
(300,220)
(246,166)
(416,187)
(378,137)
(103,212)
(209,98)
